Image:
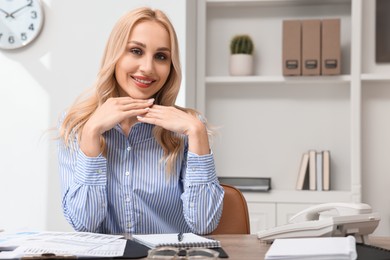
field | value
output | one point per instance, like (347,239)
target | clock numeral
(34,14)
(11,39)
(23,36)
(31,27)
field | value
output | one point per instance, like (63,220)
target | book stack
(314,171)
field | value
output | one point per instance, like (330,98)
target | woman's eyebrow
(138,43)
(144,46)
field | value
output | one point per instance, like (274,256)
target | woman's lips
(142,82)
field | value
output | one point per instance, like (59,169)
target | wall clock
(21,21)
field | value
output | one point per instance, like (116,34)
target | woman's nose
(147,65)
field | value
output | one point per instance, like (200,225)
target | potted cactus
(241,58)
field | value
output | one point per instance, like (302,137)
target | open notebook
(189,240)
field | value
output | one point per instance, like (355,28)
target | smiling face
(144,67)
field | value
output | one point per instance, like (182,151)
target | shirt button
(193,169)
(129,224)
(127,173)
(128,148)
(128,199)
(192,204)
(99,171)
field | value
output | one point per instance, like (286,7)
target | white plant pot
(241,65)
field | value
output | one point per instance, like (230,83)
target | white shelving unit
(266,121)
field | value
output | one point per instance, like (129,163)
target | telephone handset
(328,219)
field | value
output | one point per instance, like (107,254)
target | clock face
(20,22)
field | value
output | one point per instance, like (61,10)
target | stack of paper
(16,244)
(322,248)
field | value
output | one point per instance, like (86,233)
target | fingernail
(140,117)
(151,100)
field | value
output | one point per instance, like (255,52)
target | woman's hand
(105,117)
(116,110)
(181,122)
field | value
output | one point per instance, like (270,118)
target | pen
(180,236)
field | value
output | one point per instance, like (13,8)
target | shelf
(282,115)
(292,196)
(279,79)
(375,77)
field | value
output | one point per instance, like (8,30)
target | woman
(130,160)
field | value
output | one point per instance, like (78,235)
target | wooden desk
(240,247)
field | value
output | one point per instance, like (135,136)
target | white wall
(37,83)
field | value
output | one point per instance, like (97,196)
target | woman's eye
(136,51)
(161,56)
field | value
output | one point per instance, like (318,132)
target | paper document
(324,248)
(60,243)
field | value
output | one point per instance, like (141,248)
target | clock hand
(21,8)
(6,13)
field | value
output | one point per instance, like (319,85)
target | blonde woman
(130,160)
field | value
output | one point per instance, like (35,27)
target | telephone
(325,220)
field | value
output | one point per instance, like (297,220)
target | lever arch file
(330,47)
(311,52)
(292,48)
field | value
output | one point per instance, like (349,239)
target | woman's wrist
(198,141)
(90,141)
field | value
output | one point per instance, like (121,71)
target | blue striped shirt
(128,191)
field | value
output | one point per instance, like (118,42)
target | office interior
(40,81)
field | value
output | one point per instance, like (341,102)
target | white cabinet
(262,216)
(266,121)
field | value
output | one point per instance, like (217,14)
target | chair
(235,216)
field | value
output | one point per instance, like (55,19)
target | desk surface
(240,247)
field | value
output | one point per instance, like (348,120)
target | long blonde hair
(106,85)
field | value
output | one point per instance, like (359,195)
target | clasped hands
(121,109)
(127,111)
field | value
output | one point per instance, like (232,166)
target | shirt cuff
(200,168)
(91,170)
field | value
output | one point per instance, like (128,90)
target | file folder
(292,48)
(330,48)
(311,43)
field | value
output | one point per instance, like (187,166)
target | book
(171,239)
(319,170)
(338,248)
(312,170)
(303,176)
(326,170)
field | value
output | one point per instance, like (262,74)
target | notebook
(188,240)
(337,248)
